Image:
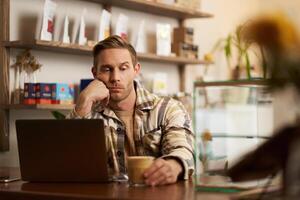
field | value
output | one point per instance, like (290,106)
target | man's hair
(114,42)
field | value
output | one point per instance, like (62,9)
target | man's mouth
(115,89)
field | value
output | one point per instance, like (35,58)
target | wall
(227,16)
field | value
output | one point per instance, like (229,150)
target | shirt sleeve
(178,137)
(74,115)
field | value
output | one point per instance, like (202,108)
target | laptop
(72,150)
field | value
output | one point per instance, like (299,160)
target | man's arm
(95,91)
(177,148)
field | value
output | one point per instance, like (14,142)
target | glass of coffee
(136,167)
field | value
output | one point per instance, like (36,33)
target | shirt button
(119,130)
(119,153)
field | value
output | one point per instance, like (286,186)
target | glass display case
(230,118)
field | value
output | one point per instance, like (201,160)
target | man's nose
(115,76)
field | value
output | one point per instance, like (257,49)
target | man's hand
(95,91)
(162,172)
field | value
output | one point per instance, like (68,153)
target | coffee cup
(137,165)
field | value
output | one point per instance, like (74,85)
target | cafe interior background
(165,78)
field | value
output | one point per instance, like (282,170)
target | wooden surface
(182,77)
(50,46)
(4,75)
(183,190)
(37,107)
(156,8)
(232,83)
(86,50)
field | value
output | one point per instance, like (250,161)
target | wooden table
(69,191)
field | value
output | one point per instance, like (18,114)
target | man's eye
(105,69)
(124,67)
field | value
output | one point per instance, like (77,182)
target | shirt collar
(144,99)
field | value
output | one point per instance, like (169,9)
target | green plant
(58,115)
(279,40)
(234,43)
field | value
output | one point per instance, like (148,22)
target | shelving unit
(156,8)
(37,107)
(86,50)
(173,11)
(241,82)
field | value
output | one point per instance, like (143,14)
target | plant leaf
(248,65)
(58,115)
(227,47)
(217,45)
(264,62)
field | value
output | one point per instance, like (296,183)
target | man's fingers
(158,176)
(161,172)
(106,101)
(167,180)
(154,167)
(158,180)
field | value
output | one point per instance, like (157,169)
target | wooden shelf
(37,107)
(50,46)
(254,82)
(240,136)
(86,50)
(169,59)
(156,8)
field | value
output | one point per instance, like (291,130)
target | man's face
(115,69)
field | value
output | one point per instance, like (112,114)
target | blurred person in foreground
(279,40)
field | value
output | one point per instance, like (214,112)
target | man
(137,122)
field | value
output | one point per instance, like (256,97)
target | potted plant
(235,47)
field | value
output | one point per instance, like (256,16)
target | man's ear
(137,68)
(94,71)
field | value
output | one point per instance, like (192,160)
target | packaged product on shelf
(181,49)
(196,4)
(84,83)
(160,83)
(66,37)
(184,35)
(91,43)
(122,26)
(81,38)
(48,20)
(43,93)
(195,51)
(183,3)
(104,28)
(140,45)
(169,2)
(62,93)
(185,50)
(29,93)
(191,4)
(163,39)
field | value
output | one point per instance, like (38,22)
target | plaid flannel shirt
(162,128)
